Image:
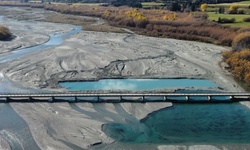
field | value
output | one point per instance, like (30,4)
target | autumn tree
(233,9)
(203,7)
(241,41)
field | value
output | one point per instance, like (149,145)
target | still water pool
(187,123)
(137,84)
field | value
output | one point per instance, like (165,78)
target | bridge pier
(30,98)
(143,99)
(209,98)
(165,98)
(75,98)
(52,99)
(187,98)
(7,99)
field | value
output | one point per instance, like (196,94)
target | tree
(203,7)
(233,9)
(241,41)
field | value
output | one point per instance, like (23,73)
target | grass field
(239,19)
(87,4)
(151,4)
(243,5)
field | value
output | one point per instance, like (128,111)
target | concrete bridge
(95,97)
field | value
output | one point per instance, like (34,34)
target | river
(206,124)
(12,127)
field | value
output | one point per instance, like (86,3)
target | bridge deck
(124,97)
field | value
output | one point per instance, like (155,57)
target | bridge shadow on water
(187,123)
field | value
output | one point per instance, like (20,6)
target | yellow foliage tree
(136,15)
(203,7)
(233,7)
(172,16)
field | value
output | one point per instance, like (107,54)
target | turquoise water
(15,130)
(55,39)
(12,127)
(187,124)
(136,84)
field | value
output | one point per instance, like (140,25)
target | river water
(137,84)
(12,127)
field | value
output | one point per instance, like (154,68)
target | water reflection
(187,123)
(137,84)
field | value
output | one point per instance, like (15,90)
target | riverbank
(93,55)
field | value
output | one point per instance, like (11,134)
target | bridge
(97,97)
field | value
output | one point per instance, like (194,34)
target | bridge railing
(124,97)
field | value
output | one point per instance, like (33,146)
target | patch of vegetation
(239,59)
(238,19)
(152,4)
(87,23)
(160,23)
(4,33)
(247,19)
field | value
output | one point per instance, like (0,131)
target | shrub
(233,9)
(226,20)
(241,41)
(4,33)
(246,19)
(241,12)
(203,7)
(221,10)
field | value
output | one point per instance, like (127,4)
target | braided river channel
(212,124)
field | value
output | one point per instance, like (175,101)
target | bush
(221,10)
(241,41)
(233,9)
(4,33)
(203,7)
(246,19)
(241,11)
(226,20)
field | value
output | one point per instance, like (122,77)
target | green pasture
(151,4)
(87,4)
(243,5)
(240,4)
(239,19)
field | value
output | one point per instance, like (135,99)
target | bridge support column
(30,98)
(231,97)
(187,98)
(75,99)
(209,98)
(165,98)
(98,98)
(52,99)
(121,98)
(143,98)
(7,99)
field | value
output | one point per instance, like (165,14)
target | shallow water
(12,127)
(188,123)
(15,130)
(55,39)
(137,84)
